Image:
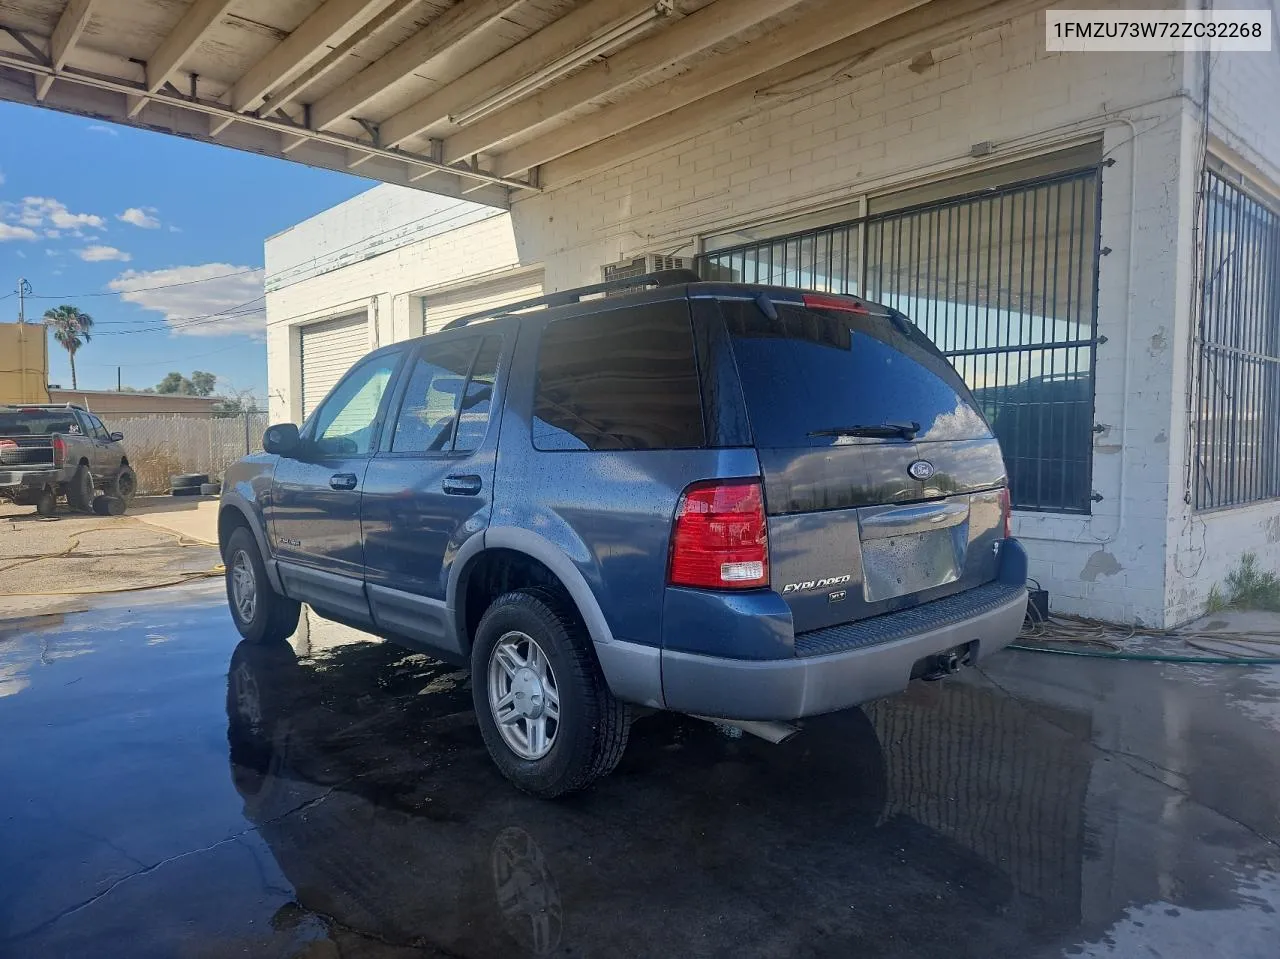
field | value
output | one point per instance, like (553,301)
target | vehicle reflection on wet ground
(171,793)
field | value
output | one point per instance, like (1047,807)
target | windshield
(833,378)
(37,422)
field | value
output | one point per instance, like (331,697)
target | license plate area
(909,563)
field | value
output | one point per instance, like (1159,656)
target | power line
(183,323)
(141,289)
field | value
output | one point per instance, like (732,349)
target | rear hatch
(882,478)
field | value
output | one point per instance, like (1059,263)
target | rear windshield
(37,422)
(822,371)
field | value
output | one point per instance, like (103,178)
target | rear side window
(820,371)
(619,380)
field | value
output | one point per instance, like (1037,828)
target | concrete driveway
(171,792)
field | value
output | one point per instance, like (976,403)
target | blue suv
(745,503)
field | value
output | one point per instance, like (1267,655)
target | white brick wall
(1203,547)
(891,128)
(395,279)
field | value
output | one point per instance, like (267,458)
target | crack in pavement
(1132,761)
(145,870)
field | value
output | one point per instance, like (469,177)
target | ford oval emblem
(921,470)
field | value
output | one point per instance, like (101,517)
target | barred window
(1236,441)
(1000,270)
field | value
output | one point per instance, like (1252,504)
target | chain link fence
(160,446)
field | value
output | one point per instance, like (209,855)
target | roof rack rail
(661,278)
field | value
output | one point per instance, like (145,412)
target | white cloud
(96,254)
(140,216)
(8,232)
(53,234)
(102,128)
(43,211)
(210,299)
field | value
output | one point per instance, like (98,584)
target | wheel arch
(633,671)
(234,513)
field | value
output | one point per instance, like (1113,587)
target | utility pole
(24,291)
(118,381)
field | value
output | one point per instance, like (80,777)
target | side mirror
(117,436)
(281,439)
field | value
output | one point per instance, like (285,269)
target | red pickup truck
(48,451)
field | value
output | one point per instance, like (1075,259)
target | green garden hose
(1154,657)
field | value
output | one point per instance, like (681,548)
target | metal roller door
(440,309)
(329,349)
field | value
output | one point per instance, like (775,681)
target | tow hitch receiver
(945,663)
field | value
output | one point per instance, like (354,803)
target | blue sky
(167,232)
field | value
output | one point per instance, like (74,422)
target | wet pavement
(165,791)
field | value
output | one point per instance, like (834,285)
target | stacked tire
(187,484)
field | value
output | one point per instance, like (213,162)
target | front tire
(125,484)
(547,716)
(260,613)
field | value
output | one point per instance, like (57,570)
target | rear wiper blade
(906,431)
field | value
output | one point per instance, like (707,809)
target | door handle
(461,485)
(342,481)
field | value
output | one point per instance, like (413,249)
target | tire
(210,489)
(108,505)
(46,503)
(80,491)
(185,491)
(187,480)
(125,484)
(587,738)
(269,617)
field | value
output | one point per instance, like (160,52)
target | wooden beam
(65,34)
(177,46)
(548,45)
(293,88)
(832,21)
(892,41)
(333,22)
(424,46)
(666,46)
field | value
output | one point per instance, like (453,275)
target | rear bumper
(781,689)
(15,479)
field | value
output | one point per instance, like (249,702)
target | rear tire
(188,480)
(260,613)
(550,665)
(80,491)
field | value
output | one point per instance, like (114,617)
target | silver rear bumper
(807,686)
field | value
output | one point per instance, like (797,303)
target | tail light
(826,301)
(720,539)
(59,450)
(1006,512)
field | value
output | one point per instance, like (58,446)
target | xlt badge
(816,584)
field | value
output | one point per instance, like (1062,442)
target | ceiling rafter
(65,34)
(663,48)
(891,41)
(177,46)
(331,23)
(830,22)
(556,40)
(435,38)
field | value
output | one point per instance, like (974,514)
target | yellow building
(24,363)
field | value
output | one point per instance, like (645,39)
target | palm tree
(71,330)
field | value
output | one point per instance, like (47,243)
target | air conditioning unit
(639,266)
